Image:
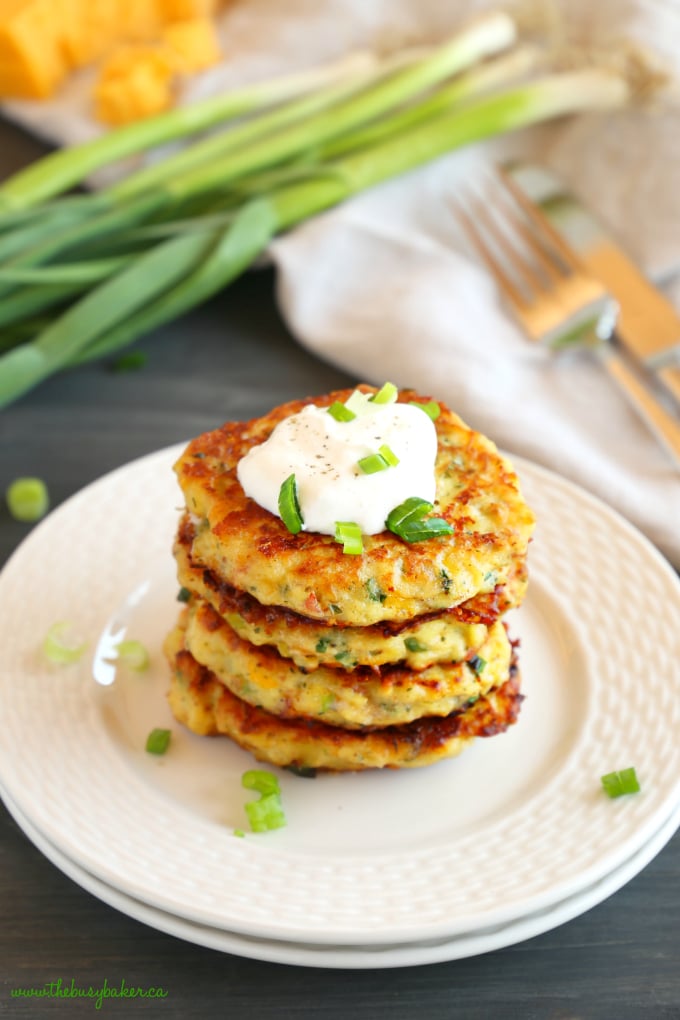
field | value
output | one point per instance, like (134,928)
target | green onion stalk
(282,134)
(264,216)
(66,168)
(149,264)
(62,170)
(209,167)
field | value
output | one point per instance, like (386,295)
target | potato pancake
(448,636)
(206,706)
(251,549)
(364,697)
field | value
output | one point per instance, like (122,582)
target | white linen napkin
(385,286)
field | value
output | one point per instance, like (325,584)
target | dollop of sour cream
(324,456)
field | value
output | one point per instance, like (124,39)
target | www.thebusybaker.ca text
(60,990)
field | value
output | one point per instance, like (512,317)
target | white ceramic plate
(515,825)
(369,957)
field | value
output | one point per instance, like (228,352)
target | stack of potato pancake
(314,659)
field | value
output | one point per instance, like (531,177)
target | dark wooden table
(234,358)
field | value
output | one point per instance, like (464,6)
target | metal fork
(554,297)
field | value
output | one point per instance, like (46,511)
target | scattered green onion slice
(341,412)
(158,741)
(183,595)
(414,645)
(389,455)
(289,507)
(412,508)
(239,832)
(266,813)
(431,409)
(387,394)
(616,784)
(27,499)
(130,362)
(260,781)
(373,463)
(477,664)
(60,646)
(349,534)
(133,654)
(431,527)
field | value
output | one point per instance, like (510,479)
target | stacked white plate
(377,869)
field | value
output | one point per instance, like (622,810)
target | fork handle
(670,377)
(663,424)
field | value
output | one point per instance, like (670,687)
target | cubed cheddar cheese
(89,29)
(184,10)
(191,45)
(135,82)
(32,60)
(139,20)
(42,41)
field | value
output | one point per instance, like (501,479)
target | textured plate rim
(347,957)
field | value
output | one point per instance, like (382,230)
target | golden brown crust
(251,549)
(204,705)
(356,699)
(446,636)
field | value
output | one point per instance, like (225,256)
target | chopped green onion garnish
(27,499)
(289,507)
(477,664)
(408,521)
(387,394)
(418,531)
(59,645)
(379,461)
(239,832)
(411,509)
(358,402)
(183,595)
(133,654)
(616,784)
(129,362)
(349,534)
(341,412)
(388,455)
(266,813)
(361,403)
(373,463)
(260,781)
(414,645)
(431,409)
(158,741)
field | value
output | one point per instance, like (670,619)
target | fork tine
(542,223)
(504,281)
(510,249)
(553,263)
(545,285)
